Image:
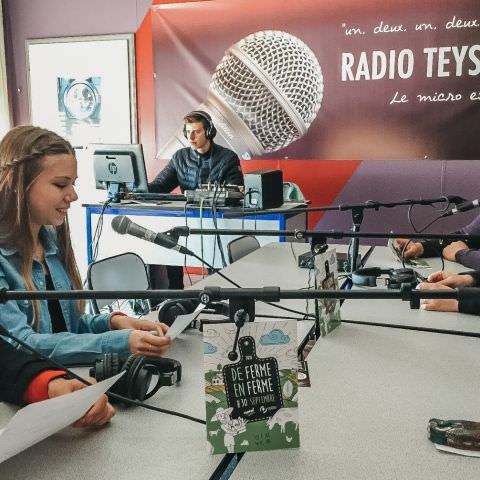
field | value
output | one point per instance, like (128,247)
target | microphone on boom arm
(122,225)
(463,207)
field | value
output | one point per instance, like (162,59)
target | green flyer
(251,402)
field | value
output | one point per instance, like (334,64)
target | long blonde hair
(22,151)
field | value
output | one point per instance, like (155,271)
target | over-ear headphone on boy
(367,277)
(206,119)
(135,382)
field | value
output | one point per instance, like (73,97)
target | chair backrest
(241,246)
(291,191)
(126,271)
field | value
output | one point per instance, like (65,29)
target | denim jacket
(87,336)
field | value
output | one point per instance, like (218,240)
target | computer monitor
(119,168)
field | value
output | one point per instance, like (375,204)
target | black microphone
(122,224)
(463,207)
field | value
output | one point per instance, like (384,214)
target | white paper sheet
(37,421)
(183,321)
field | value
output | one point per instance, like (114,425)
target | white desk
(365,416)
(398,312)
(160,218)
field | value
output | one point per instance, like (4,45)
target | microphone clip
(241,310)
(318,245)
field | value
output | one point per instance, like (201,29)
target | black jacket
(469,257)
(471,305)
(17,369)
(184,170)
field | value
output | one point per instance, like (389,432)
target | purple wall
(27,19)
(395,180)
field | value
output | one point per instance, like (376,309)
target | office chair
(126,271)
(241,246)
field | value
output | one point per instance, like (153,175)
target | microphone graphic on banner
(463,207)
(122,225)
(264,95)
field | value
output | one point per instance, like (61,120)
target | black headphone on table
(206,119)
(135,382)
(367,277)
(169,309)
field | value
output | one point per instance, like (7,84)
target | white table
(141,444)
(160,218)
(365,416)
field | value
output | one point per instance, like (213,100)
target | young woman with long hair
(38,170)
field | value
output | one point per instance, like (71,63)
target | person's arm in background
(473,305)
(459,252)
(466,252)
(166,180)
(446,280)
(409,249)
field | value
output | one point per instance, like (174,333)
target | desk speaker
(264,189)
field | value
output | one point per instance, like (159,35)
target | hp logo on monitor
(112,168)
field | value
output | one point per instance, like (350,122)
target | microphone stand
(266,294)
(175,232)
(242,300)
(353,261)
(376,205)
(353,258)
(319,237)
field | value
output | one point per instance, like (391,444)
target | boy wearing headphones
(202,163)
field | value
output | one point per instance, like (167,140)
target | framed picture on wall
(84,87)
